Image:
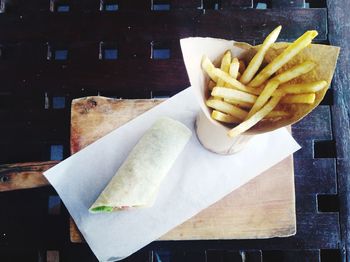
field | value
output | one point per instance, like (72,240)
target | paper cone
(212,134)
(214,137)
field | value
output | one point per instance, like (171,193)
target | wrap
(137,181)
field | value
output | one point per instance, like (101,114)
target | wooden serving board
(263,208)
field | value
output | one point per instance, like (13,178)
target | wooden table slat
(236,24)
(103,77)
(236,3)
(240,26)
(317,176)
(311,128)
(339,35)
(22,6)
(287,3)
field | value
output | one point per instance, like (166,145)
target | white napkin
(198,179)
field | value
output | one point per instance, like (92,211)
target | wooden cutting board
(263,208)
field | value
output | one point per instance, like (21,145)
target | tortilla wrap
(137,181)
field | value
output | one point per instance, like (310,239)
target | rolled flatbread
(137,181)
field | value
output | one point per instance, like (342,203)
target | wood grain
(263,208)
(94,117)
(24,175)
(146,25)
(339,23)
(287,3)
(25,66)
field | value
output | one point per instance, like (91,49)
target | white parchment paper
(198,179)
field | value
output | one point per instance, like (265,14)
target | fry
(303,88)
(277,113)
(292,50)
(211,84)
(238,103)
(233,82)
(263,97)
(225,66)
(233,71)
(257,60)
(222,117)
(242,66)
(234,68)
(244,126)
(229,93)
(215,73)
(227,108)
(216,98)
(299,99)
(295,72)
(208,67)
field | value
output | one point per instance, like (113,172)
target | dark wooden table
(52,51)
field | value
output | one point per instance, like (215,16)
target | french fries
(257,60)
(264,96)
(233,71)
(292,50)
(234,68)
(216,98)
(225,66)
(295,72)
(303,88)
(228,93)
(277,113)
(216,73)
(244,126)
(240,96)
(241,104)
(233,82)
(208,67)
(225,118)
(299,99)
(227,108)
